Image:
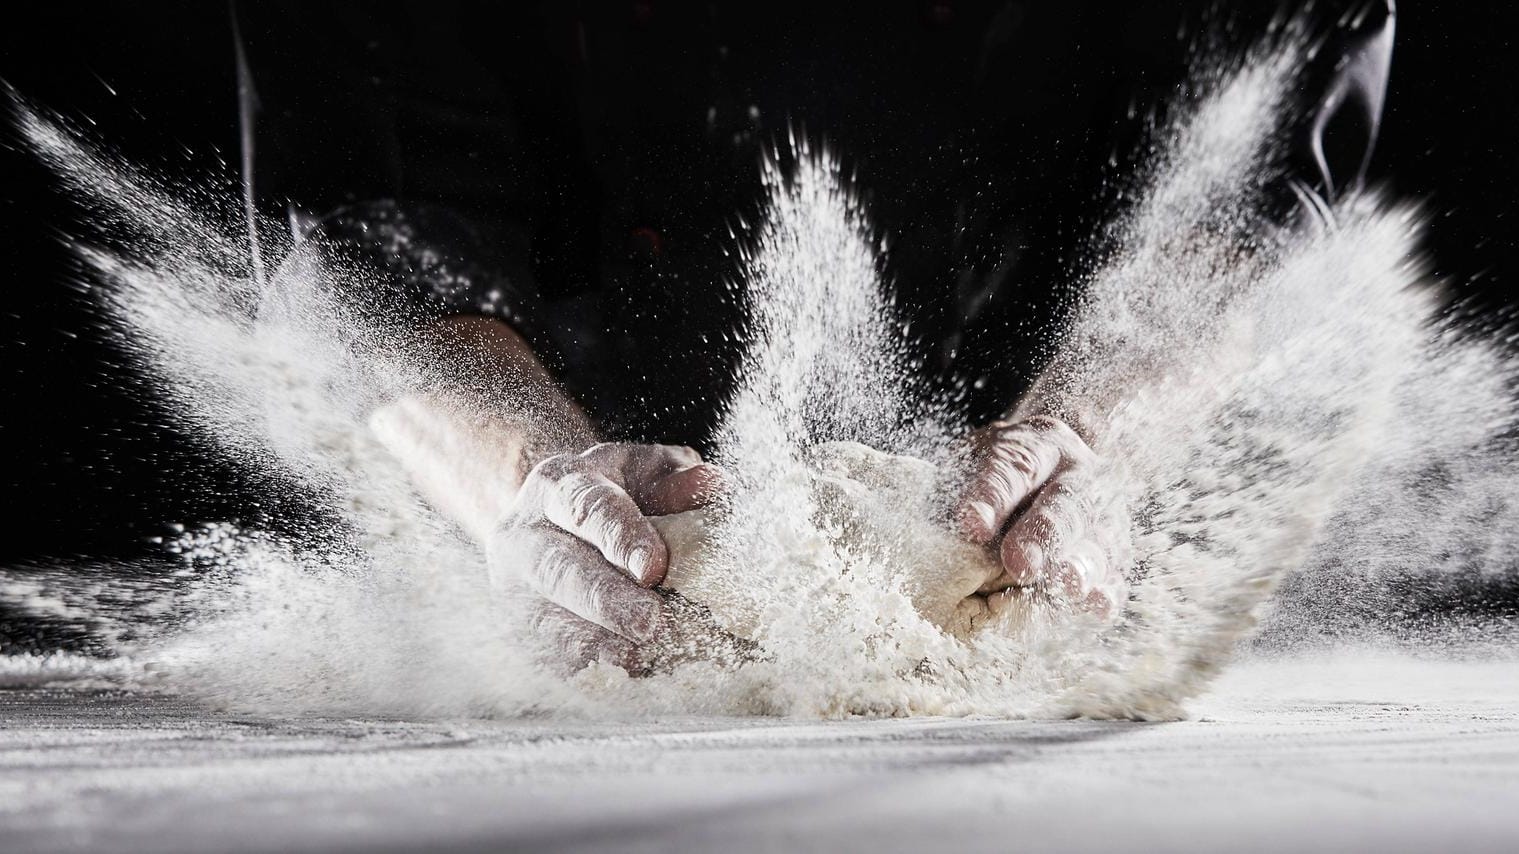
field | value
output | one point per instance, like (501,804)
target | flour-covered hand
(577,533)
(1031,489)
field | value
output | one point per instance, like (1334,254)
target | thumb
(683,490)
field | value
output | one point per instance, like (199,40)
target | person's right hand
(578,535)
(1031,495)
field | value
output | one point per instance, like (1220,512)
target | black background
(88,468)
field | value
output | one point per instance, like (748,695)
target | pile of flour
(869,507)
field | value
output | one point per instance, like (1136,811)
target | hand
(578,535)
(1035,474)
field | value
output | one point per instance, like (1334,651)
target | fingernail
(638,563)
(977,520)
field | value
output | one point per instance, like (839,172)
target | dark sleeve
(389,139)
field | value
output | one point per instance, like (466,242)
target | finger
(572,574)
(1025,554)
(1017,461)
(1076,573)
(646,463)
(593,508)
(1102,567)
(1100,603)
(1002,600)
(683,490)
(1041,538)
(569,643)
(999,582)
(1083,580)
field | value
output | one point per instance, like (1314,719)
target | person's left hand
(578,533)
(1030,487)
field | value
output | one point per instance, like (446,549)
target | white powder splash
(1269,403)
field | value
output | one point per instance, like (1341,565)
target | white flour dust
(1269,403)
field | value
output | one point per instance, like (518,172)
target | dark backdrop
(89,471)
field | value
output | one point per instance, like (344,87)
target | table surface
(1349,753)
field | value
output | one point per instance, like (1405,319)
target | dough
(868,504)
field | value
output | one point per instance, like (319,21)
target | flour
(872,508)
(1268,403)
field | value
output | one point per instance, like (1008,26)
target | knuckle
(594,597)
(1071,446)
(588,499)
(554,468)
(1017,457)
(1014,467)
(558,572)
(685,455)
(546,619)
(602,452)
(566,576)
(1039,527)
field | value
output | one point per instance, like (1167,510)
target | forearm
(469,445)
